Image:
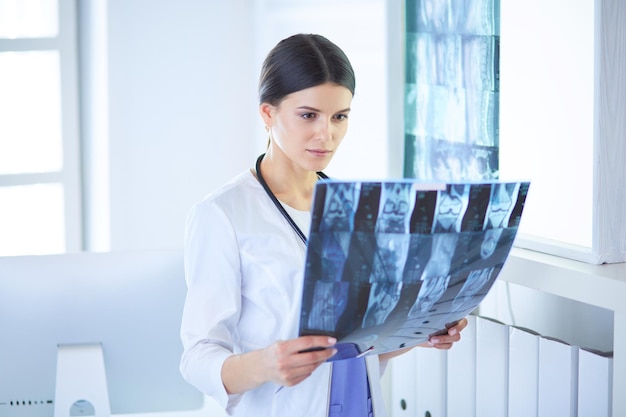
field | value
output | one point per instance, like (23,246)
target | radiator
(498,370)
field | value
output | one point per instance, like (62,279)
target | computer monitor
(129,304)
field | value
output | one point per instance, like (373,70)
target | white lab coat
(244,268)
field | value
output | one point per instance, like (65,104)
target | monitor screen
(129,303)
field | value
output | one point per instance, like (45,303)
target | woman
(244,256)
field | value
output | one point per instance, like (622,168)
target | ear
(267,113)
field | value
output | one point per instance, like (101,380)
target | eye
(341,116)
(308,115)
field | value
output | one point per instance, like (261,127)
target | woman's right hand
(285,363)
(289,362)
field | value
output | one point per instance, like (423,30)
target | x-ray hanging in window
(451,91)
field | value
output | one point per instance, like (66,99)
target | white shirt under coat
(244,267)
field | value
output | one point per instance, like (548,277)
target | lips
(319,152)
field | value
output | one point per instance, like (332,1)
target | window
(558,105)
(39,149)
(451,90)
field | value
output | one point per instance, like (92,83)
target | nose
(325,129)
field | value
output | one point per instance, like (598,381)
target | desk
(210,409)
(599,285)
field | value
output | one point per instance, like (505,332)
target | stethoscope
(277,203)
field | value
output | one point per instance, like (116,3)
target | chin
(318,164)
(319,167)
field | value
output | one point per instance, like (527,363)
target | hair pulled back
(303,61)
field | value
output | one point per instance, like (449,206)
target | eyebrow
(318,110)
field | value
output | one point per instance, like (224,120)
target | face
(308,126)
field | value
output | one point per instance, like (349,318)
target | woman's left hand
(445,340)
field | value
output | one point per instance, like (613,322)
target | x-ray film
(391,263)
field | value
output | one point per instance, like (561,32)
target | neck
(290,184)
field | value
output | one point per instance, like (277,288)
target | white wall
(181,111)
(181,82)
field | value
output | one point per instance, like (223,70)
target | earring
(269,135)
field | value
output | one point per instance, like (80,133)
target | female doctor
(245,251)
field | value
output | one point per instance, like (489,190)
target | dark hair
(303,61)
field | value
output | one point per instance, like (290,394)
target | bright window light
(28,19)
(30,112)
(33,223)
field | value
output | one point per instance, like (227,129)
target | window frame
(608,222)
(70,175)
